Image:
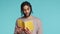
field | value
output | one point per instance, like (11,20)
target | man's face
(26,10)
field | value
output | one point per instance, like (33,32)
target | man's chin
(27,15)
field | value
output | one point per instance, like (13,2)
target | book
(27,24)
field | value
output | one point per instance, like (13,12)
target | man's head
(26,9)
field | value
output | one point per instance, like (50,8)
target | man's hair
(23,4)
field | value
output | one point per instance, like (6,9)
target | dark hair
(23,4)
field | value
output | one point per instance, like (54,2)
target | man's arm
(17,29)
(39,31)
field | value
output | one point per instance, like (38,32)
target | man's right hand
(19,30)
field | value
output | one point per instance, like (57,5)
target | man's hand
(27,31)
(19,30)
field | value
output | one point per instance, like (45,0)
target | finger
(18,27)
(27,29)
(27,32)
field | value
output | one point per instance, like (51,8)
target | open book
(28,24)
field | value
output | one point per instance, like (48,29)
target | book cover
(27,24)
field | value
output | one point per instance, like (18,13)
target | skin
(26,10)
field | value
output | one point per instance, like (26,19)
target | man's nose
(27,11)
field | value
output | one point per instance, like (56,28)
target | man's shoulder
(36,18)
(19,18)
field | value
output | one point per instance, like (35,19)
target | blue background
(47,10)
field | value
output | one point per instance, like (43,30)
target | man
(26,10)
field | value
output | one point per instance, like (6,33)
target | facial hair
(28,14)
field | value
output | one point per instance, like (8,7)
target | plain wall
(48,11)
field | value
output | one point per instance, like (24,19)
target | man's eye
(27,8)
(24,9)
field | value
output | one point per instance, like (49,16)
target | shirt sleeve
(39,30)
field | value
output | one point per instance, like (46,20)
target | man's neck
(28,17)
